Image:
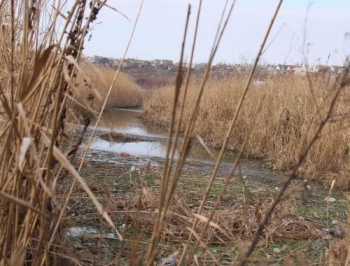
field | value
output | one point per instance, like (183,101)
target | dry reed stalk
(186,140)
(293,129)
(93,132)
(38,73)
(170,150)
(303,153)
(225,142)
(37,82)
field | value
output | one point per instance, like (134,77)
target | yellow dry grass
(280,129)
(40,76)
(38,67)
(95,81)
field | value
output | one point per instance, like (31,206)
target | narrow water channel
(152,143)
(127,121)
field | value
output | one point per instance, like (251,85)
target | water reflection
(142,148)
(128,121)
(156,149)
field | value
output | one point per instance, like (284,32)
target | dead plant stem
(293,174)
(152,250)
(233,122)
(94,130)
(226,183)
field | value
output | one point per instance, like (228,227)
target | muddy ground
(302,228)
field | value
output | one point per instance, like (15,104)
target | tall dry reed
(40,49)
(39,68)
(125,92)
(279,131)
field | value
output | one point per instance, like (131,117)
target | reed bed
(125,92)
(281,128)
(41,185)
(40,52)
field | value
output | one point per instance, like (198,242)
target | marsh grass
(43,193)
(278,132)
(125,92)
(40,49)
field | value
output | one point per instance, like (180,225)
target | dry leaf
(23,150)
(18,256)
(39,65)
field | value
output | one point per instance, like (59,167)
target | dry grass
(39,78)
(125,92)
(279,131)
(231,229)
(38,67)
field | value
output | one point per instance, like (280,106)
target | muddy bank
(248,170)
(111,147)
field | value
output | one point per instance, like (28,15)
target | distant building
(282,67)
(337,69)
(137,63)
(292,68)
(163,62)
(302,70)
(115,63)
(289,68)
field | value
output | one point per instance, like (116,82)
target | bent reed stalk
(289,121)
(38,70)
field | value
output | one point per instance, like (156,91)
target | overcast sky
(312,29)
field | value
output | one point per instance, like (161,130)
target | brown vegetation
(38,70)
(278,131)
(41,188)
(125,92)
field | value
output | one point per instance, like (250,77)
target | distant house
(115,63)
(293,68)
(290,68)
(163,62)
(136,63)
(282,67)
(302,70)
(185,65)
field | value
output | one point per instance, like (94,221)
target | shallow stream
(151,143)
